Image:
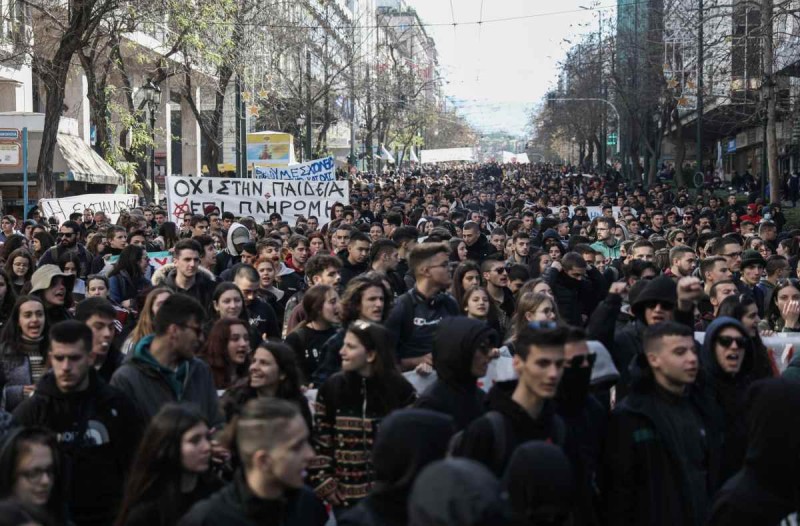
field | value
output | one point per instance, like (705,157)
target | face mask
(574,388)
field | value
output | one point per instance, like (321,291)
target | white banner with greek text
(317,170)
(257,198)
(111,204)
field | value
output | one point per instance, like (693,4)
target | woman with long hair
(42,241)
(168,235)
(70,263)
(7,297)
(317,243)
(533,306)
(96,245)
(367,297)
(13,243)
(783,311)
(477,304)
(171,469)
(23,350)
(127,279)
(732,223)
(227,351)
(30,472)
(226,302)
(19,267)
(458,250)
(349,408)
(272,373)
(144,327)
(466,276)
(321,303)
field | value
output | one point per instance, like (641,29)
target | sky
(496,72)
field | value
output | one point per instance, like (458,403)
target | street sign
(9,154)
(9,134)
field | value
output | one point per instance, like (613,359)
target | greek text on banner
(316,170)
(255,197)
(111,204)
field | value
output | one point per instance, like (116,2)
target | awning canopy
(84,164)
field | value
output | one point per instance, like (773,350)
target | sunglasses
(65,234)
(582,360)
(727,341)
(664,305)
(501,270)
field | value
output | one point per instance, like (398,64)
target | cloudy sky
(498,70)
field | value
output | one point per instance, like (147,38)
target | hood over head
(238,236)
(773,433)
(539,483)
(454,345)
(408,441)
(456,492)
(708,356)
(662,288)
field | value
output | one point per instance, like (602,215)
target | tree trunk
(55,79)
(775,183)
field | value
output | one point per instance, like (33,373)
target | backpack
(501,439)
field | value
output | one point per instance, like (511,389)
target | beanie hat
(753,257)
(662,288)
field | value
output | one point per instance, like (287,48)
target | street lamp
(152,98)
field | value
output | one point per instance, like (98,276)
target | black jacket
(202,289)
(235,505)
(479,442)
(98,431)
(766,490)
(480,250)
(414,318)
(646,481)
(574,298)
(263,319)
(350,270)
(455,392)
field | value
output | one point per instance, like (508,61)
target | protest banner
(592,211)
(255,197)
(444,155)
(111,204)
(157,259)
(269,148)
(317,170)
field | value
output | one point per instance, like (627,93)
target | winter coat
(645,481)
(150,385)
(408,441)
(609,252)
(479,441)
(574,298)
(236,505)
(765,491)
(330,361)
(98,432)
(148,511)
(413,320)
(52,255)
(348,411)
(480,250)
(263,319)
(234,399)
(307,344)
(16,371)
(729,392)
(455,391)
(350,270)
(202,289)
(123,287)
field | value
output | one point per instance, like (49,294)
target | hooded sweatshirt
(767,489)
(729,391)
(456,492)
(455,392)
(238,235)
(98,431)
(407,441)
(539,484)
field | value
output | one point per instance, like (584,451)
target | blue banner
(317,170)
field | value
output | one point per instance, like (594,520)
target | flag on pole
(386,156)
(413,156)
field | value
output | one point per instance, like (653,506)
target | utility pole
(700,87)
(770,169)
(603,129)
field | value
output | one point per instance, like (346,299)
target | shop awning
(84,164)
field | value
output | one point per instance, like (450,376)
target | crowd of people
(590,352)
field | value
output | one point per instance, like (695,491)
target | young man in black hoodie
(272,440)
(97,426)
(462,349)
(521,410)
(355,260)
(663,447)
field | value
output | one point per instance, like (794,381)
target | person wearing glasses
(164,368)
(67,241)
(728,359)
(97,425)
(495,275)
(30,472)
